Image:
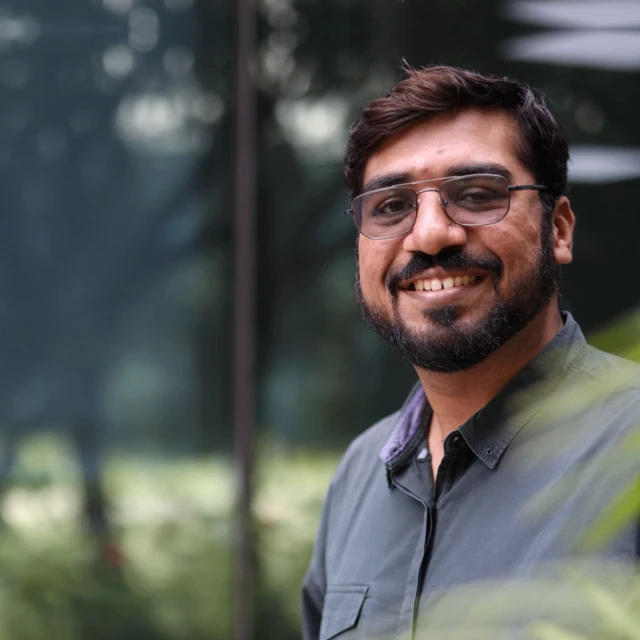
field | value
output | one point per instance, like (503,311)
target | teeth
(436,284)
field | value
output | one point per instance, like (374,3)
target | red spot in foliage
(113,555)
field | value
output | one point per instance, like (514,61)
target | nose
(433,229)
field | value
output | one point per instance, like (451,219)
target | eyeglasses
(470,201)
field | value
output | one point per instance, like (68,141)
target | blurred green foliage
(570,600)
(171,577)
(621,337)
(167,575)
(164,576)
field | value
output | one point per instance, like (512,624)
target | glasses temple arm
(525,187)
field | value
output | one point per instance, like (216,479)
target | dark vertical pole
(244,312)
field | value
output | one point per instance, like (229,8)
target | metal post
(244,313)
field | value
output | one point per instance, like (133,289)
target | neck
(455,397)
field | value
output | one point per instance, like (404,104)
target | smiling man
(459,186)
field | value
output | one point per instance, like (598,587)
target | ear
(564,222)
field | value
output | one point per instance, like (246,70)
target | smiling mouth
(436,284)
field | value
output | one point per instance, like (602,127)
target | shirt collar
(490,430)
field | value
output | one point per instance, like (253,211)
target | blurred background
(117,149)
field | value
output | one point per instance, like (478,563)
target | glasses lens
(476,200)
(385,213)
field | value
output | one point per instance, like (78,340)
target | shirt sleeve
(315,582)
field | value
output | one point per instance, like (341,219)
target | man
(459,187)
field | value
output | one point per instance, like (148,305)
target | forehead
(427,149)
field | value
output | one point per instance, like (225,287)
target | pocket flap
(341,610)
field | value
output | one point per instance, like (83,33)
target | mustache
(447,259)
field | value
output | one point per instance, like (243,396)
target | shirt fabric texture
(519,484)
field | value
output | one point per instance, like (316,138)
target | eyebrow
(387,180)
(393,179)
(482,167)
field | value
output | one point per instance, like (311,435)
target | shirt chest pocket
(341,610)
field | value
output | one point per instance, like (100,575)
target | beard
(457,346)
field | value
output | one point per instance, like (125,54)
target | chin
(450,315)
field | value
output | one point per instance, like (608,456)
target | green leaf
(547,631)
(614,614)
(613,520)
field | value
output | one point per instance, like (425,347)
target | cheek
(374,260)
(517,248)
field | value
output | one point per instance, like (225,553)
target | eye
(394,206)
(478,198)
(478,194)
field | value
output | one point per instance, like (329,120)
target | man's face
(510,265)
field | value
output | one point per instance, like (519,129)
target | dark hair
(543,147)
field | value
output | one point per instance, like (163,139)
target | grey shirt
(519,485)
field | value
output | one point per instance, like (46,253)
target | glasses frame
(510,188)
